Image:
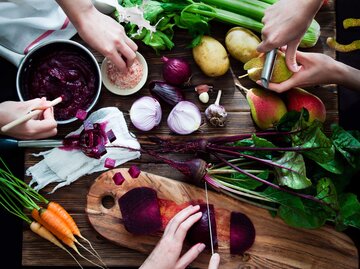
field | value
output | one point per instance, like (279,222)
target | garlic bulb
(145,113)
(184,118)
(216,113)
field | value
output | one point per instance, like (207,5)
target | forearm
(75,9)
(347,76)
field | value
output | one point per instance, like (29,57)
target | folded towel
(66,166)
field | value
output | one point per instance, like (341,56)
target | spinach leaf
(349,211)
(326,191)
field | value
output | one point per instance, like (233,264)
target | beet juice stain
(64,73)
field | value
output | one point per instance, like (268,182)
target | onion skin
(167,93)
(176,71)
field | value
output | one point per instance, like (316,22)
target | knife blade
(209,219)
(268,67)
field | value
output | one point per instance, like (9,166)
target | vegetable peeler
(268,67)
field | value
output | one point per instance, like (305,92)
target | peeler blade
(268,67)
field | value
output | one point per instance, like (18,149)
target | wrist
(77,11)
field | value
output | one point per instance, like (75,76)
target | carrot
(44,233)
(61,235)
(67,218)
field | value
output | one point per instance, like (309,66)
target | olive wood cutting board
(276,244)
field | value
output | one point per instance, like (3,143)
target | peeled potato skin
(211,56)
(241,43)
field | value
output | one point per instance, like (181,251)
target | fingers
(214,261)
(290,56)
(190,256)
(183,228)
(179,218)
(45,127)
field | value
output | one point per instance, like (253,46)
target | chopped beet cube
(242,233)
(134,171)
(81,114)
(111,136)
(118,178)
(109,163)
(140,211)
(200,231)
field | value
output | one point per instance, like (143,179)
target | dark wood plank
(73,197)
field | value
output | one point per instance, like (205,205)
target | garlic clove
(204,97)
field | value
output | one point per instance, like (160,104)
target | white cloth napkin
(66,166)
(24,24)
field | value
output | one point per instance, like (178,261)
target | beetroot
(134,171)
(140,211)
(242,233)
(200,232)
(118,178)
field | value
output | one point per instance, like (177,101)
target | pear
(266,107)
(298,98)
(280,72)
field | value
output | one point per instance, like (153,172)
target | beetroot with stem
(200,231)
(140,211)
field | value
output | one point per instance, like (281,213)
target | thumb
(290,56)
(263,47)
(214,261)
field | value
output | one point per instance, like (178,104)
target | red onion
(145,113)
(166,92)
(176,71)
(184,118)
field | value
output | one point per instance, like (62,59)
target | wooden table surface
(73,197)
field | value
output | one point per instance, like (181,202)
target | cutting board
(276,244)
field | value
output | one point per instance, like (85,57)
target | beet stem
(277,187)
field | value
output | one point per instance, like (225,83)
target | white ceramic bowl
(121,91)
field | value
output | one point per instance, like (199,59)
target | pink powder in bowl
(128,79)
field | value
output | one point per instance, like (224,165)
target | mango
(266,107)
(280,72)
(298,98)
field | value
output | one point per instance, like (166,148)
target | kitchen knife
(209,219)
(6,143)
(268,67)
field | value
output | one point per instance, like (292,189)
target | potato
(241,43)
(211,56)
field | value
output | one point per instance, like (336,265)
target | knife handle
(6,143)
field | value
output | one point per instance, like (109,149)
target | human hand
(38,127)
(315,69)
(101,32)
(166,255)
(285,23)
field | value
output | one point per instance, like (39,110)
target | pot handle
(11,56)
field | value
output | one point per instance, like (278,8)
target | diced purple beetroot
(200,231)
(118,178)
(242,233)
(134,171)
(140,211)
(110,135)
(81,114)
(109,163)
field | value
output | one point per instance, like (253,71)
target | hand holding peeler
(268,67)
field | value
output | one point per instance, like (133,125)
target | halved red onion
(184,118)
(145,113)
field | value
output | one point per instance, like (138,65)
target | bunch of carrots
(52,222)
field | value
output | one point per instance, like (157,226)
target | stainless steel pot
(24,65)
